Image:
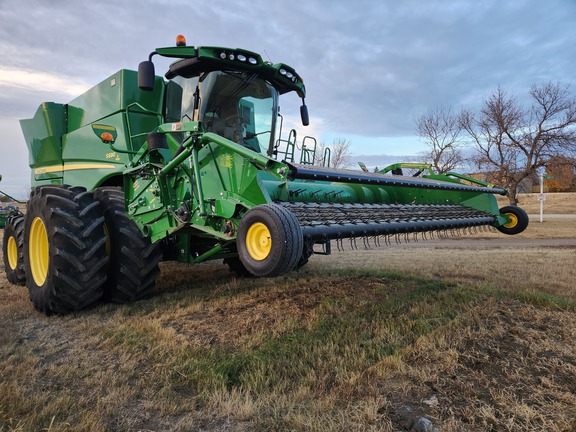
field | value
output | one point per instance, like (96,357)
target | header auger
(192,168)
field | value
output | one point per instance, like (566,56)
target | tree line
(506,141)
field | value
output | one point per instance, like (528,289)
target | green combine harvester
(193,167)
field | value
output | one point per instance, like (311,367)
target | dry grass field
(554,203)
(476,333)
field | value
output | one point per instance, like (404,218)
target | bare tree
(512,142)
(442,131)
(340,155)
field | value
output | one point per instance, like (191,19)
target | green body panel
(64,141)
(225,179)
(43,135)
(116,93)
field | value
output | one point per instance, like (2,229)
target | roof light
(289,75)
(180,40)
(282,71)
(252,60)
(231,56)
(223,55)
(241,57)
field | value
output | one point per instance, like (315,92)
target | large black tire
(133,265)
(12,250)
(269,240)
(518,220)
(64,249)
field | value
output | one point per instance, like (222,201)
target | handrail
(308,156)
(470,179)
(290,146)
(326,157)
(12,198)
(130,136)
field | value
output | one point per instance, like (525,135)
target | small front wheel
(517,220)
(269,240)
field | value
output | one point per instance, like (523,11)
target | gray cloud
(370,67)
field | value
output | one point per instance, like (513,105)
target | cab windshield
(236,105)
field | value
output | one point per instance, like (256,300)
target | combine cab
(192,168)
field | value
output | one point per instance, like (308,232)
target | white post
(541,194)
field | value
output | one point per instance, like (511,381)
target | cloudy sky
(371,67)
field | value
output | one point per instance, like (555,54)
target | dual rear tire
(133,258)
(64,249)
(74,247)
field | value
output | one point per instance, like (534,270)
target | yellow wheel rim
(258,241)
(38,251)
(513,220)
(12,253)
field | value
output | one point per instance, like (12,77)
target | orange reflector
(180,40)
(107,137)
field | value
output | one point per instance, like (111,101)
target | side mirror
(304,115)
(146,75)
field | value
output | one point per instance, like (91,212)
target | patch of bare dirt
(264,312)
